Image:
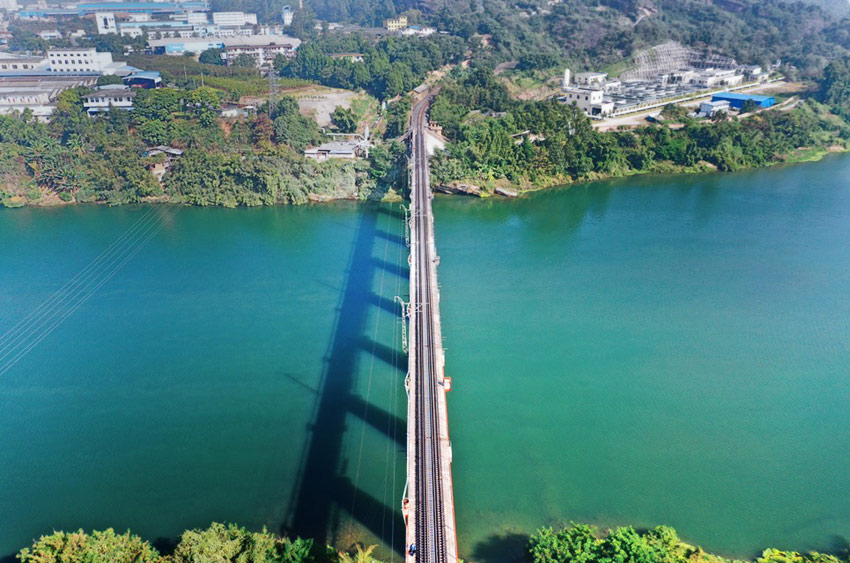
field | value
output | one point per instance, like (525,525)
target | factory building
(85,61)
(590,100)
(736,101)
(236,19)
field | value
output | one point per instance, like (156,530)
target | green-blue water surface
(651,350)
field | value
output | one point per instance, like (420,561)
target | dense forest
(585,34)
(497,140)
(580,543)
(221,543)
(254,161)
(391,66)
(590,34)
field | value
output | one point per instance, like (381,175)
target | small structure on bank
(161,159)
(347,150)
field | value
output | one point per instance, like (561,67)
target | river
(642,351)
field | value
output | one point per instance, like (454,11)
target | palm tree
(360,555)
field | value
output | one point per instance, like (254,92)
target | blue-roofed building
(88,8)
(144,79)
(143,7)
(736,101)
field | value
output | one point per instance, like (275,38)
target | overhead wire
(82,293)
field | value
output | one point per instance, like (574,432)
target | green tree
(107,79)
(212,57)
(749,106)
(79,547)
(835,85)
(204,103)
(243,60)
(344,119)
(360,555)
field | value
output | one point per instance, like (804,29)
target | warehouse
(736,101)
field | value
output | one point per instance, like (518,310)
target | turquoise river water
(651,350)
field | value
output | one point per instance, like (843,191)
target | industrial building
(263,55)
(264,48)
(710,109)
(598,96)
(86,61)
(37,91)
(14,63)
(736,101)
(178,46)
(237,19)
(107,98)
(144,79)
(91,8)
(590,101)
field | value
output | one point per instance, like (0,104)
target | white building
(708,109)
(264,55)
(158,30)
(590,101)
(177,46)
(350,57)
(38,102)
(105,23)
(10,62)
(415,30)
(49,34)
(287,14)
(711,78)
(82,60)
(9,5)
(234,18)
(197,18)
(106,98)
(754,72)
(591,78)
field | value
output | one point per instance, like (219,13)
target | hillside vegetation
(590,34)
(501,142)
(253,161)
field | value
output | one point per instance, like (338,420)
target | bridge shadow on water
(326,503)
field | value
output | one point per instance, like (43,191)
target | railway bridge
(428,504)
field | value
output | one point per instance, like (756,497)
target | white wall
(105,23)
(78,60)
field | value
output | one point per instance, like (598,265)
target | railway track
(432,538)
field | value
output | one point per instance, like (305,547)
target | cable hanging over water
(27,333)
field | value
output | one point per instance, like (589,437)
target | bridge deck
(429,506)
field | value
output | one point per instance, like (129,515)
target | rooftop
(336,147)
(106,92)
(744,97)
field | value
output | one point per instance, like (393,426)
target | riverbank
(229,543)
(507,189)
(352,188)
